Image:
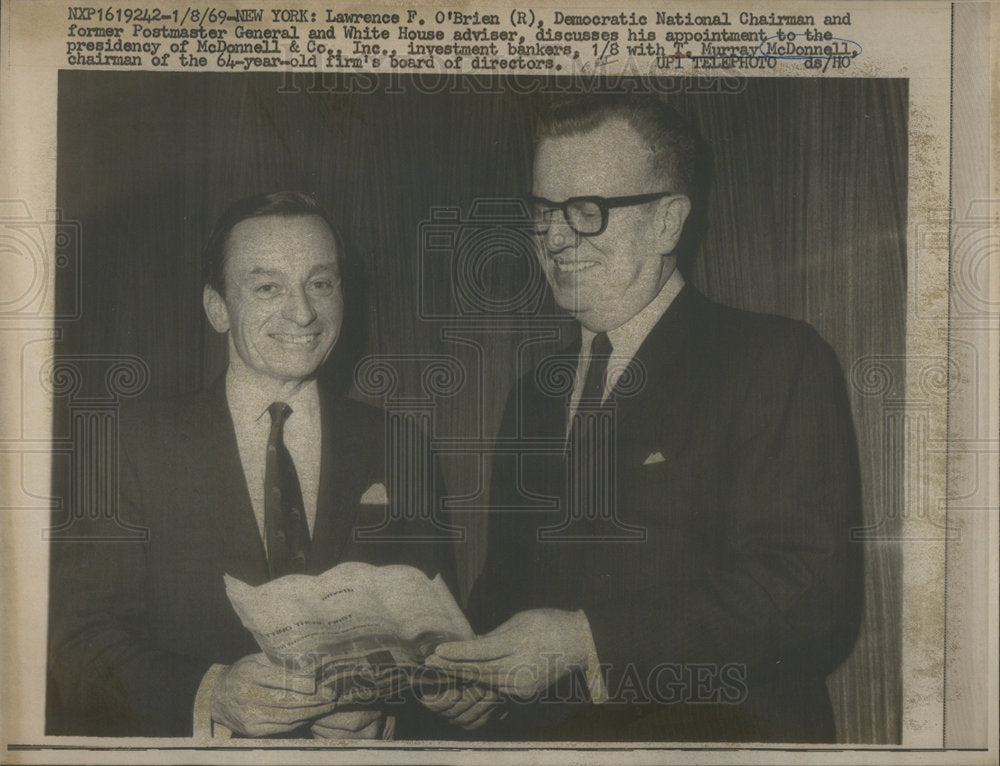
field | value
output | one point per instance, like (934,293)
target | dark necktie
(285,524)
(593,383)
(597,370)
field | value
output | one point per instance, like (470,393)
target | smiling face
(606,279)
(283,304)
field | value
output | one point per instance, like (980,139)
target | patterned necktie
(285,524)
(593,386)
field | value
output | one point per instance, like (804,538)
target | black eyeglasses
(584,215)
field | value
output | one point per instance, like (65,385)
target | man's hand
(255,697)
(469,707)
(361,723)
(528,653)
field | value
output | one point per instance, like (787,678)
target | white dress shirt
(249,395)
(625,341)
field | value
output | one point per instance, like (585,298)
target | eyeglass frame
(604,204)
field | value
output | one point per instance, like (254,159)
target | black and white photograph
(465,416)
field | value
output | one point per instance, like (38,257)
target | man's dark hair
(680,154)
(338,369)
(280,203)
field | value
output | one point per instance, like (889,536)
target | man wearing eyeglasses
(682,568)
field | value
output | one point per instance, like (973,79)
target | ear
(215,309)
(669,221)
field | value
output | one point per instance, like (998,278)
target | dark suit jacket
(746,591)
(135,625)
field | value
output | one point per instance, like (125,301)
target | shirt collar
(626,338)
(249,394)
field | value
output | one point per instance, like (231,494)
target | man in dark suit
(684,569)
(262,474)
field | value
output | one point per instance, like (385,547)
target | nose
(298,308)
(559,235)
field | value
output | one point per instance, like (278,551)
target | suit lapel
(553,417)
(226,506)
(657,363)
(343,454)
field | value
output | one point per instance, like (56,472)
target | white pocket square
(654,458)
(375,495)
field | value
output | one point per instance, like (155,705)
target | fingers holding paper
(522,657)
(355,723)
(469,707)
(256,698)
